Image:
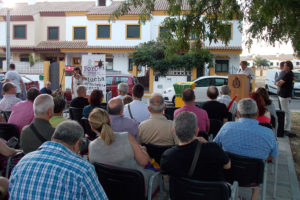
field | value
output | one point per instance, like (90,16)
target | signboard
(96,76)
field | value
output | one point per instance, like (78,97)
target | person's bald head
(212,92)
(115,106)
(156,103)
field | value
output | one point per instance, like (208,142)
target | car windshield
(297,77)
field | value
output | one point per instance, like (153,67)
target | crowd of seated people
(51,142)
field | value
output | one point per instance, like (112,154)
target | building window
(130,64)
(53,33)
(76,61)
(109,63)
(79,33)
(227,29)
(103,31)
(101,2)
(163,31)
(194,37)
(297,63)
(271,63)
(19,31)
(222,65)
(133,32)
(24,58)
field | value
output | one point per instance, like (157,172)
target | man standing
(247,71)
(286,85)
(215,109)
(188,97)
(9,97)
(177,161)
(246,137)
(225,99)
(55,171)
(157,130)
(40,130)
(13,76)
(137,110)
(47,89)
(80,101)
(120,123)
(122,90)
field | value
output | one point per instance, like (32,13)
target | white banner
(96,76)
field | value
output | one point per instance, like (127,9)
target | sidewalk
(287,183)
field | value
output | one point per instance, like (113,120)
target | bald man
(120,123)
(158,129)
(215,109)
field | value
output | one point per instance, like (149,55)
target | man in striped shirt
(55,171)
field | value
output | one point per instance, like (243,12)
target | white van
(272,74)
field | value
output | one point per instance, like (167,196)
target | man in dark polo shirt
(80,101)
(215,109)
(286,85)
(178,160)
(40,131)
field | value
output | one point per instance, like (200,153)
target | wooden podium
(239,85)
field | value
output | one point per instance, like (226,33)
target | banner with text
(95,73)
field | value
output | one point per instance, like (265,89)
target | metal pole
(8,38)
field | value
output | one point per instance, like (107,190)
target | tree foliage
(269,20)
(153,54)
(261,62)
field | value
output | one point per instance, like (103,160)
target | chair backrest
(184,188)
(268,125)
(120,183)
(6,114)
(246,171)
(87,128)
(76,113)
(215,126)
(8,131)
(155,151)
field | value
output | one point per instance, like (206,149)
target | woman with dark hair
(269,105)
(77,79)
(263,114)
(95,101)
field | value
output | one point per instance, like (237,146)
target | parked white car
(272,74)
(202,83)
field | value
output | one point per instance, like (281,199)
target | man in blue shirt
(55,171)
(246,137)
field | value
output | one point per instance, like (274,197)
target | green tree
(153,54)
(261,62)
(269,20)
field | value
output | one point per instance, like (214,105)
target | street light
(9,4)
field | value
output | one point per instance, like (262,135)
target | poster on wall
(94,72)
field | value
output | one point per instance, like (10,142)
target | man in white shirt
(247,71)
(225,99)
(9,98)
(137,110)
(122,90)
(13,76)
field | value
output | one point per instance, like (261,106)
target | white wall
(75,21)
(118,33)
(2,33)
(121,63)
(166,82)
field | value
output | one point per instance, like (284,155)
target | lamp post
(8,37)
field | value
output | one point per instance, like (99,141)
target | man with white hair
(231,104)
(55,171)
(122,90)
(157,130)
(210,160)
(40,130)
(246,137)
(9,97)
